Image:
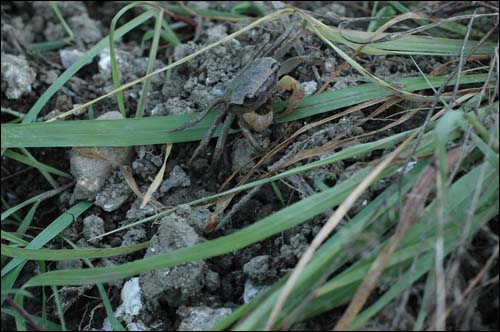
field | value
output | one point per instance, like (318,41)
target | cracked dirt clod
(69,56)
(195,217)
(200,318)
(114,193)
(70,295)
(17,75)
(178,285)
(176,178)
(260,269)
(91,173)
(252,290)
(133,236)
(89,30)
(242,153)
(93,226)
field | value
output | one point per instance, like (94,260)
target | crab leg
(219,148)
(208,136)
(288,65)
(199,117)
(248,135)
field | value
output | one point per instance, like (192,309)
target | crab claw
(258,122)
(288,83)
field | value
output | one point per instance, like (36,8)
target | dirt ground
(178,298)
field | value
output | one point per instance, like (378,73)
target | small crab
(251,89)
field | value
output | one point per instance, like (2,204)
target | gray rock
(68,57)
(113,194)
(70,295)
(133,236)
(216,33)
(195,217)
(171,88)
(54,31)
(309,87)
(260,269)
(176,285)
(242,153)
(200,318)
(252,290)
(17,75)
(91,173)
(93,226)
(177,178)
(184,50)
(88,30)
(67,9)
(136,213)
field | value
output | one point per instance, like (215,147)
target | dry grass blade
(123,87)
(330,225)
(157,180)
(127,174)
(20,310)
(358,51)
(474,283)
(321,30)
(224,202)
(339,143)
(439,70)
(414,205)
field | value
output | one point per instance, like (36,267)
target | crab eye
(250,99)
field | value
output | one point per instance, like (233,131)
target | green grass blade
(429,291)
(208,13)
(168,34)
(19,319)
(386,12)
(13,239)
(59,310)
(444,127)
(278,193)
(408,45)
(115,73)
(452,27)
(339,290)
(63,254)
(50,326)
(248,8)
(34,163)
(16,208)
(128,132)
(44,173)
(151,62)
(51,231)
(286,218)
(55,44)
(25,224)
(23,292)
